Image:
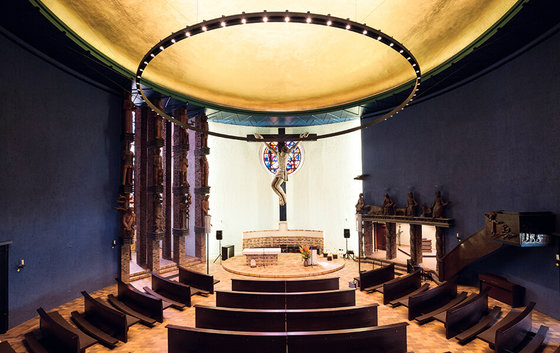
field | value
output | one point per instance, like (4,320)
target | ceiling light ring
(266,17)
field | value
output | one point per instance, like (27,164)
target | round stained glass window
(271,161)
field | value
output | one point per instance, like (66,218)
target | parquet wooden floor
(428,338)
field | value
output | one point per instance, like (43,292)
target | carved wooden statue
(128,166)
(204,126)
(360,204)
(388,205)
(128,217)
(411,205)
(182,212)
(159,221)
(204,207)
(203,171)
(127,107)
(437,207)
(425,210)
(158,127)
(158,168)
(183,167)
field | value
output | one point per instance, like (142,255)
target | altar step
(400,269)
(172,267)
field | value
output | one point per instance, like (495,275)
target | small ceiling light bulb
(223,23)
(401,51)
(145,63)
(243,20)
(173,41)
(308,20)
(348,26)
(364,32)
(141,70)
(152,55)
(187,34)
(204,28)
(417,71)
(265,19)
(413,64)
(378,37)
(408,58)
(161,47)
(329,22)
(138,76)
(391,44)
(287,19)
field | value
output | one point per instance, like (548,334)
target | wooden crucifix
(282,153)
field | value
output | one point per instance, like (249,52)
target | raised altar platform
(283,238)
(289,265)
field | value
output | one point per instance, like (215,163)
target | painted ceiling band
(266,17)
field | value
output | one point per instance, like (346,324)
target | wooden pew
(303,300)
(536,342)
(143,306)
(279,286)
(374,279)
(502,289)
(465,315)
(102,322)
(433,301)
(291,320)
(509,332)
(6,348)
(175,293)
(58,335)
(386,339)
(403,286)
(200,283)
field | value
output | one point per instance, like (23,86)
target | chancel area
(240,176)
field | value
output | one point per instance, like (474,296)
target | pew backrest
(466,315)
(177,291)
(401,286)
(67,340)
(297,300)
(279,286)
(509,336)
(431,299)
(140,301)
(291,320)
(196,279)
(376,277)
(109,316)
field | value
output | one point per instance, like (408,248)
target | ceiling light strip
(285,17)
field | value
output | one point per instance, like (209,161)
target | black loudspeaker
(218,235)
(347,233)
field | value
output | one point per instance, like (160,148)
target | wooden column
(181,188)
(141,184)
(167,190)
(127,186)
(440,251)
(390,241)
(202,190)
(156,222)
(415,244)
(368,238)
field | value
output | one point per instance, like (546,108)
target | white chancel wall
(321,195)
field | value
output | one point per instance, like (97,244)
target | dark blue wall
(492,144)
(59,162)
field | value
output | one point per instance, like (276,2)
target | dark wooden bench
(133,302)
(58,335)
(402,287)
(291,320)
(102,322)
(200,283)
(279,286)
(502,289)
(298,300)
(431,302)
(175,293)
(386,339)
(465,315)
(6,348)
(374,279)
(509,332)
(536,342)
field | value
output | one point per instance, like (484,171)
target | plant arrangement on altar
(305,252)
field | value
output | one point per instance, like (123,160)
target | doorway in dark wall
(379,230)
(4,286)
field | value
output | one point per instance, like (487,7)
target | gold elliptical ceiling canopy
(279,67)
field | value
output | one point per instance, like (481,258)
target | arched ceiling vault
(277,68)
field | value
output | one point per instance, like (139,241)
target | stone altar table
(262,256)
(283,237)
